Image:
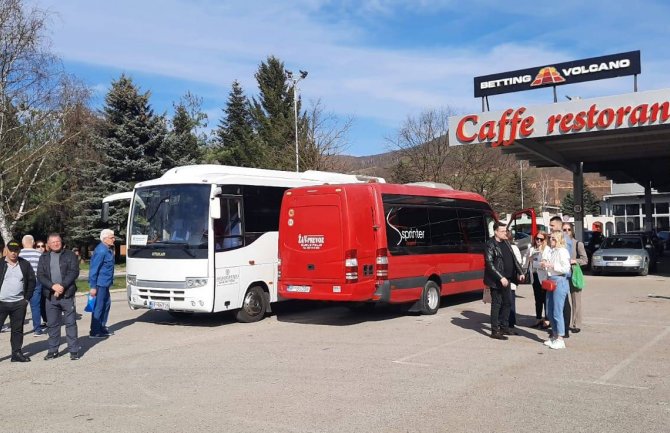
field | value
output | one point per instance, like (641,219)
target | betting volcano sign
(595,68)
(633,110)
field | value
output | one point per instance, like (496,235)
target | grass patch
(119,283)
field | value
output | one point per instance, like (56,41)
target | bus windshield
(170,216)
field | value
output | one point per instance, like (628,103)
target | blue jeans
(35,306)
(103,302)
(555,304)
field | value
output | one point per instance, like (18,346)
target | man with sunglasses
(501,269)
(32,255)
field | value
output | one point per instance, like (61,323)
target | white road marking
(403,360)
(623,364)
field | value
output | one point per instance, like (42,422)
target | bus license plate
(159,305)
(299,289)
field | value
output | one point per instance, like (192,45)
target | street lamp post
(294,81)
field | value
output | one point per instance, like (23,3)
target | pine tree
(273,115)
(236,143)
(128,144)
(183,145)
(591,203)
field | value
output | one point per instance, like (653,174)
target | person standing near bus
(501,268)
(58,271)
(557,268)
(33,257)
(17,282)
(100,279)
(577,257)
(537,274)
(556,223)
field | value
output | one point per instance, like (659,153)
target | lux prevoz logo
(547,75)
(311,242)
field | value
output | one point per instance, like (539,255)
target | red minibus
(382,242)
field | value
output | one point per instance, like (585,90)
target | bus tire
(254,306)
(430,298)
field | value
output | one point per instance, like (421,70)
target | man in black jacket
(17,283)
(501,269)
(58,271)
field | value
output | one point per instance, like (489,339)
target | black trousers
(540,296)
(567,314)
(17,314)
(500,307)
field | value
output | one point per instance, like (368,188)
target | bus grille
(161,295)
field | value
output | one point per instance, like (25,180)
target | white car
(621,253)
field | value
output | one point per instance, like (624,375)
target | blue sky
(376,61)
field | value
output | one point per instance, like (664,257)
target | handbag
(487,296)
(549,285)
(90,304)
(577,277)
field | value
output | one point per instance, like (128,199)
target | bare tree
(423,145)
(35,97)
(326,138)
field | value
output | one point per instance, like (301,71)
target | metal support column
(578,195)
(648,207)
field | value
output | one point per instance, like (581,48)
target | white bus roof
(225,174)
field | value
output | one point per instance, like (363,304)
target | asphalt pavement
(319,367)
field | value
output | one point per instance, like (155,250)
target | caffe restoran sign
(502,128)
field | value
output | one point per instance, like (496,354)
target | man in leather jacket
(501,268)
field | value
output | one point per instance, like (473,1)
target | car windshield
(621,242)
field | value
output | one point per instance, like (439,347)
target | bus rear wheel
(430,298)
(254,306)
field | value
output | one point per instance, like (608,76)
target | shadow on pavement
(480,322)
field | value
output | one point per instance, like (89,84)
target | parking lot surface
(315,367)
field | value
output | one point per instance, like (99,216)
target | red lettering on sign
(565,126)
(460,134)
(580,121)
(620,113)
(606,118)
(488,131)
(591,120)
(655,109)
(639,115)
(527,126)
(551,123)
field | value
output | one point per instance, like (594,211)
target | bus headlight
(131,279)
(195,282)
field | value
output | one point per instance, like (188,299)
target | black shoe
(106,331)
(51,355)
(566,335)
(101,335)
(20,357)
(575,330)
(509,331)
(74,356)
(498,335)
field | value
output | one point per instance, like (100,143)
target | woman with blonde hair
(557,266)
(537,274)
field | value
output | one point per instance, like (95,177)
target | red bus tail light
(279,268)
(382,263)
(351,266)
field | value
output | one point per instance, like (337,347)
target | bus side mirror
(215,208)
(105,212)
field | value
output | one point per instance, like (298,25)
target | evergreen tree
(182,145)
(236,143)
(273,115)
(591,203)
(128,142)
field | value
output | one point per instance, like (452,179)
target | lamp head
(303,74)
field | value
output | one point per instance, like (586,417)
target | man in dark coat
(17,283)
(58,271)
(502,268)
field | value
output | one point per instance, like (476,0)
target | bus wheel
(430,298)
(254,306)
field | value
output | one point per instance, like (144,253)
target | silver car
(621,253)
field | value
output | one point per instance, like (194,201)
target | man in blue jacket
(100,279)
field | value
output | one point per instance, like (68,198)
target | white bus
(203,238)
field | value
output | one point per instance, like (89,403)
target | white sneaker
(557,344)
(549,342)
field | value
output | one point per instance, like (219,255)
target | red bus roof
(394,188)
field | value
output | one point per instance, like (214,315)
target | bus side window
(228,229)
